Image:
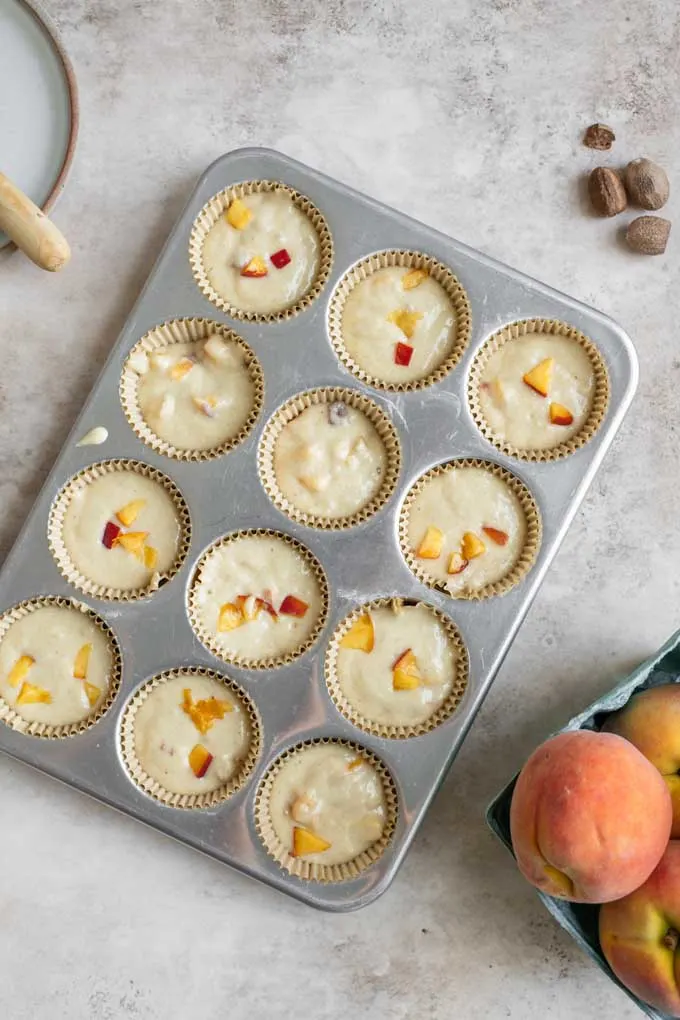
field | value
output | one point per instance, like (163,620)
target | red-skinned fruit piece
(403,354)
(280,258)
(111,533)
(293,606)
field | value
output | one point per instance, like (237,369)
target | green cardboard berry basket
(580,919)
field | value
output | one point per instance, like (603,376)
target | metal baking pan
(362,563)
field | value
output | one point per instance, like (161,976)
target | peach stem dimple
(671,939)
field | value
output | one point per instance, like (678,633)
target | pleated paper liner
(253,662)
(290,411)
(216,207)
(12,718)
(407,260)
(182,331)
(62,556)
(529,551)
(397,731)
(151,786)
(312,871)
(600,400)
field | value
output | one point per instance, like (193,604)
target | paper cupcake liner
(600,396)
(12,718)
(62,556)
(324,872)
(529,551)
(151,786)
(209,215)
(396,731)
(271,661)
(408,260)
(290,411)
(182,331)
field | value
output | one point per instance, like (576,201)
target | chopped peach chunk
(431,546)
(182,368)
(81,662)
(540,377)
(238,214)
(302,807)
(150,557)
(293,606)
(230,618)
(355,764)
(30,694)
(19,670)
(457,563)
(413,278)
(560,415)
(257,267)
(495,534)
(92,693)
(405,320)
(200,759)
(205,712)
(129,513)
(361,635)
(206,405)
(307,842)
(472,546)
(250,606)
(405,673)
(133,542)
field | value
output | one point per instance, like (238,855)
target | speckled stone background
(467,115)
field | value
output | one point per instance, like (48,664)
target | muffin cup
(151,786)
(598,407)
(272,661)
(396,731)
(62,556)
(526,558)
(182,331)
(12,718)
(290,411)
(312,871)
(212,211)
(407,260)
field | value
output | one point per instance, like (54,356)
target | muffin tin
(362,563)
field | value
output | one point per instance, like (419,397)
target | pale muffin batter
(243,598)
(330,460)
(39,657)
(166,734)
(95,504)
(195,396)
(464,501)
(366,678)
(519,415)
(334,793)
(371,336)
(275,225)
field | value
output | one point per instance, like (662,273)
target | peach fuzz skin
(639,936)
(590,817)
(651,721)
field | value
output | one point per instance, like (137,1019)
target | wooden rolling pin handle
(30,229)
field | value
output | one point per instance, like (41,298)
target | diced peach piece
(92,692)
(19,670)
(361,635)
(31,694)
(495,534)
(293,606)
(257,267)
(238,214)
(200,759)
(307,842)
(403,354)
(457,563)
(405,320)
(111,533)
(133,542)
(230,618)
(413,278)
(250,605)
(560,415)
(81,662)
(302,807)
(129,513)
(216,348)
(540,377)
(355,764)
(472,546)
(431,546)
(405,673)
(150,557)
(181,368)
(205,712)
(314,483)
(206,405)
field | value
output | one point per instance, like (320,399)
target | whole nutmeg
(606,190)
(646,183)
(648,235)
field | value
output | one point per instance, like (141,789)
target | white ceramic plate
(38,104)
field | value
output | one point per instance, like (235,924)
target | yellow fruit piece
(182,368)
(405,320)
(257,267)
(238,215)
(250,607)
(361,635)
(405,673)
(540,377)
(129,513)
(413,278)
(150,557)
(30,694)
(92,693)
(457,564)
(472,546)
(230,618)
(205,712)
(431,546)
(307,842)
(355,764)
(133,542)
(20,670)
(81,662)
(206,405)
(200,759)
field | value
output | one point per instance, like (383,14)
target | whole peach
(651,721)
(590,817)
(639,935)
